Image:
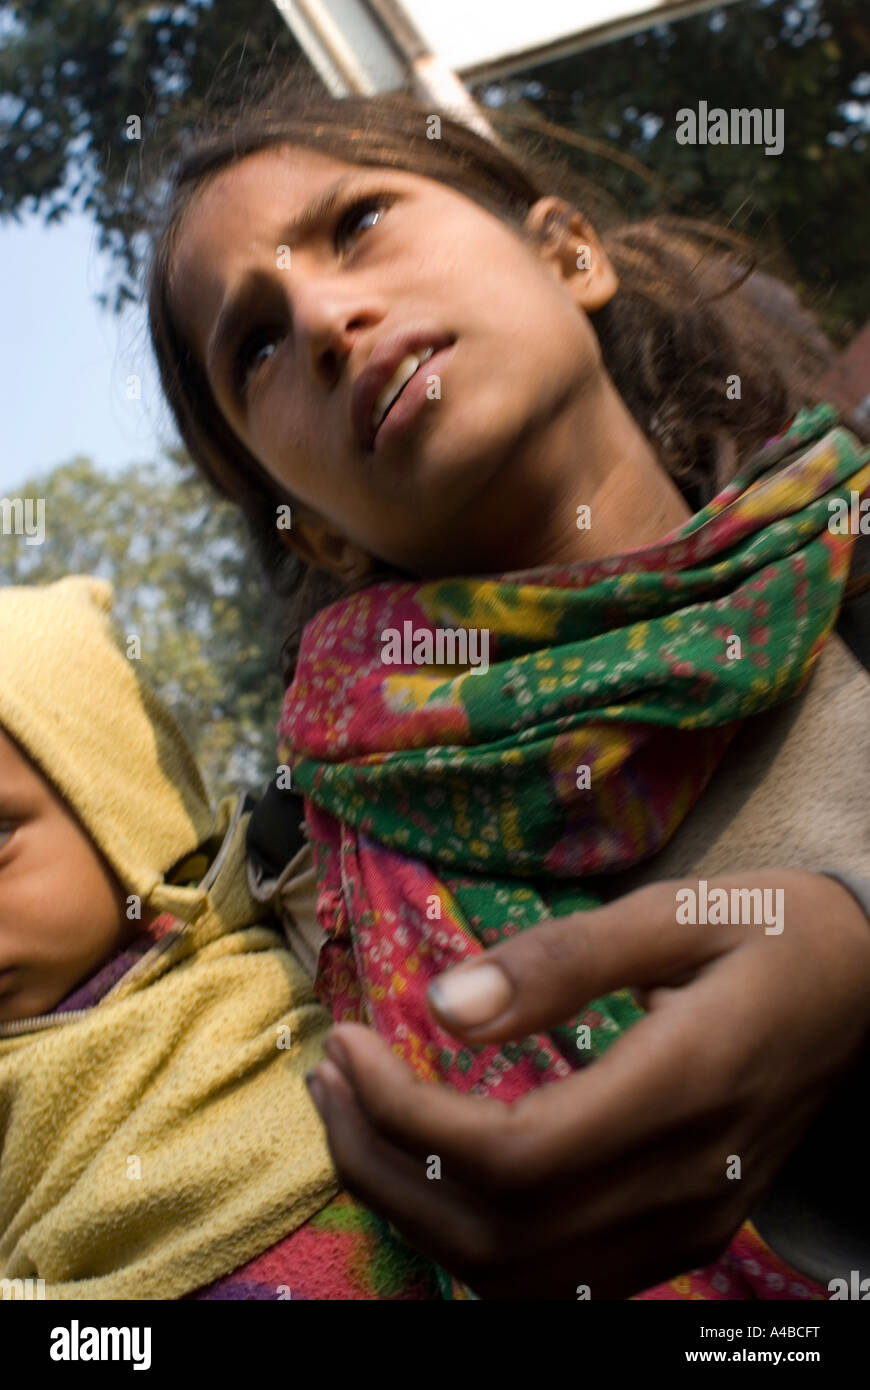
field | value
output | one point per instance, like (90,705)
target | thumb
(545,974)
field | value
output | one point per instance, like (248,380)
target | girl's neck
(606,492)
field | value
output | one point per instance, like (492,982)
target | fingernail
(471,997)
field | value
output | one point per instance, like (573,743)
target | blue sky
(64,362)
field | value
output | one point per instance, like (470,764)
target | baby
(155,1129)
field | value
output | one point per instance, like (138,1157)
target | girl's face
(61,910)
(302,283)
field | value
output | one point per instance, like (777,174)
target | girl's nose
(328,321)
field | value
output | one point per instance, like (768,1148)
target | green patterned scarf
(449,809)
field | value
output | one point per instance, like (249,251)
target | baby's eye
(7,830)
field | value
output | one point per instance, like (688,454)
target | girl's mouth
(407,392)
(390,366)
(397,383)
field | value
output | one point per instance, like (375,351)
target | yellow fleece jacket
(155,1142)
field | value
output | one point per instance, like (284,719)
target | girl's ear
(318,543)
(571,244)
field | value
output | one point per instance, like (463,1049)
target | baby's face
(62,912)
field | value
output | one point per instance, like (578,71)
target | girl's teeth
(400,378)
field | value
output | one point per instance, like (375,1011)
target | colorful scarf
(448,810)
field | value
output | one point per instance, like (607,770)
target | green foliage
(186,585)
(73,71)
(807,206)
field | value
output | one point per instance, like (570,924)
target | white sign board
(469,33)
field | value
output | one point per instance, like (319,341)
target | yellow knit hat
(78,708)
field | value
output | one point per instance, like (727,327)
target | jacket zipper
(24,1025)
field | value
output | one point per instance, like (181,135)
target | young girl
(156,1136)
(487,418)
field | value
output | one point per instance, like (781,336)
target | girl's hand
(617,1177)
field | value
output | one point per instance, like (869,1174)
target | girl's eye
(250,356)
(7,830)
(359,213)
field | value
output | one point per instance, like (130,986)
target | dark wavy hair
(692,307)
